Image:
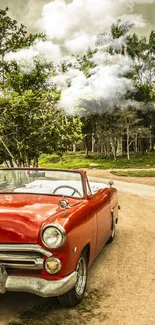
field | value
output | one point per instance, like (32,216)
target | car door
(101,204)
(104,218)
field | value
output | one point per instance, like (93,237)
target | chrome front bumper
(38,286)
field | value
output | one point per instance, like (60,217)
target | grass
(97,161)
(134,173)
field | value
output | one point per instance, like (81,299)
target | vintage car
(53,224)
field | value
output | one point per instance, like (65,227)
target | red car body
(88,223)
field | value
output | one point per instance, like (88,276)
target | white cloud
(50,51)
(137,20)
(68,21)
(132,3)
(103,89)
(72,28)
(47,50)
(80,44)
(75,25)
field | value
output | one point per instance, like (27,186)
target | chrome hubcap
(113,229)
(81,276)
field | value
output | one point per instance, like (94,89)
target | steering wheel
(67,186)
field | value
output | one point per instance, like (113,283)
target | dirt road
(106,173)
(127,187)
(125,272)
(121,284)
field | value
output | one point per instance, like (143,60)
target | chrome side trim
(24,248)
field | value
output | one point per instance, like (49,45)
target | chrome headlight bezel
(60,230)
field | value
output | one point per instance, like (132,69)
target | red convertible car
(53,223)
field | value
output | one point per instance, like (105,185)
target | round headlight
(53,236)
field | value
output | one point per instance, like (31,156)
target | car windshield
(40,181)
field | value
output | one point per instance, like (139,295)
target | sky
(29,11)
(71,28)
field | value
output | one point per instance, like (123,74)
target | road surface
(121,283)
(131,188)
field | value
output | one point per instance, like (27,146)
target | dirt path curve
(121,281)
(106,173)
(132,188)
(125,272)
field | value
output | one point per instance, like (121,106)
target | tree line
(31,121)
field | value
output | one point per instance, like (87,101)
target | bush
(53,158)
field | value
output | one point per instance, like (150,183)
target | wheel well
(87,250)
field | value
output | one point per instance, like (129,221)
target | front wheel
(75,295)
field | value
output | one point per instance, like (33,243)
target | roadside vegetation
(134,173)
(95,160)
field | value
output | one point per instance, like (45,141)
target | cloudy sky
(29,11)
(72,28)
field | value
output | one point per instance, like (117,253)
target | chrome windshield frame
(73,171)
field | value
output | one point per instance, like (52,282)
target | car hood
(21,216)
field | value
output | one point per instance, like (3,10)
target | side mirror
(111,182)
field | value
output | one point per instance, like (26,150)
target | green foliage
(99,161)
(119,29)
(136,46)
(20,78)
(134,173)
(144,93)
(12,36)
(31,122)
(53,158)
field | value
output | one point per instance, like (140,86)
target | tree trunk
(12,160)
(140,146)
(102,148)
(108,148)
(11,163)
(136,144)
(120,146)
(3,69)
(128,145)
(93,143)
(74,147)
(114,154)
(114,143)
(150,142)
(86,145)
(7,164)
(35,161)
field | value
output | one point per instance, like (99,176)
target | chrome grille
(23,256)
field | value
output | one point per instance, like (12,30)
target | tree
(132,128)
(120,29)
(13,38)
(29,124)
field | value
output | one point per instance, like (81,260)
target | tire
(111,238)
(75,295)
